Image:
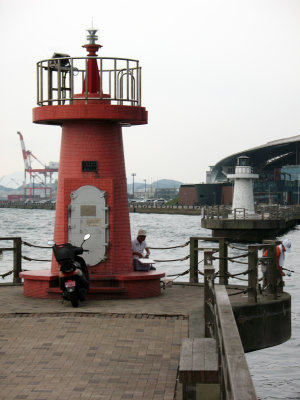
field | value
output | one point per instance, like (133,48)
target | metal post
(17,263)
(194,260)
(71,83)
(271,272)
(50,88)
(133,175)
(209,315)
(252,275)
(115,82)
(58,82)
(139,86)
(298,191)
(38,86)
(101,79)
(86,81)
(223,262)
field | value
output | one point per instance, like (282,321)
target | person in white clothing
(285,246)
(139,248)
(280,258)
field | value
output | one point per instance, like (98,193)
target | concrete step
(96,293)
(104,281)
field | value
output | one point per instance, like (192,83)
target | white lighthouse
(243,200)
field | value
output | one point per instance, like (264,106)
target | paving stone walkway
(116,349)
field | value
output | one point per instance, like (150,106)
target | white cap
(142,232)
(287,244)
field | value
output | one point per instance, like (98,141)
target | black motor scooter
(73,275)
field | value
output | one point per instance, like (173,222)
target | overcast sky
(218,77)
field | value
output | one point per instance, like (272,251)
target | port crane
(35,173)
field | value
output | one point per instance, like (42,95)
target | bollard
(209,315)
(223,262)
(272,272)
(17,263)
(252,275)
(194,260)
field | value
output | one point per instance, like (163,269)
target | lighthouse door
(88,213)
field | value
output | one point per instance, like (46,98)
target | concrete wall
(264,324)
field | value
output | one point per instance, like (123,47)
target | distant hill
(160,184)
(167,184)
(13,180)
(6,189)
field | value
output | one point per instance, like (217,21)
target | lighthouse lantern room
(92,98)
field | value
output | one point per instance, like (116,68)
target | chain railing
(17,257)
(249,275)
(253,284)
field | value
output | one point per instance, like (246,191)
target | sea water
(275,371)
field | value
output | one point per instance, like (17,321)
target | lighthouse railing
(64,80)
(262,212)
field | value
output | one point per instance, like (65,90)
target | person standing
(281,249)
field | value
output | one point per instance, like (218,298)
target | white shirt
(281,257)
(138,247)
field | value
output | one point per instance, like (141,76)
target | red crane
(34,173)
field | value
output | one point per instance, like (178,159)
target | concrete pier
(108,349)
(248,230)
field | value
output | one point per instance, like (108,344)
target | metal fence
(64,80)
(248,258)
(17,257)
(261,213)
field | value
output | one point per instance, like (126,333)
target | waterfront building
(277,163)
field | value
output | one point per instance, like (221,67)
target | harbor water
(275,371)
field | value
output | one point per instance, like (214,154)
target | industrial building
(277,163)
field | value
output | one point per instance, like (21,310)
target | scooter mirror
(86,237)
(51,242)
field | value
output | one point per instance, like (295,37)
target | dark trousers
(138,266)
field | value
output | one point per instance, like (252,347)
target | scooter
(73,275)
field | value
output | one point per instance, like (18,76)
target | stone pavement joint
(109,350)
(93,315)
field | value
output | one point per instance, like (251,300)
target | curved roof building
(264,159)
(277,163)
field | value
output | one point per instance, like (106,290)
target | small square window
(89,166)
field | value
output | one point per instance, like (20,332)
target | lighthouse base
(131,285)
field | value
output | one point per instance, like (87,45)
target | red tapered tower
(92,98)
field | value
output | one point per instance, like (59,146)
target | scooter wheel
(74,300)
(82,294)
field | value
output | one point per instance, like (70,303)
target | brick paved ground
(89,357)
(118,349)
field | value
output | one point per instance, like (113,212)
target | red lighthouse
(92,98)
